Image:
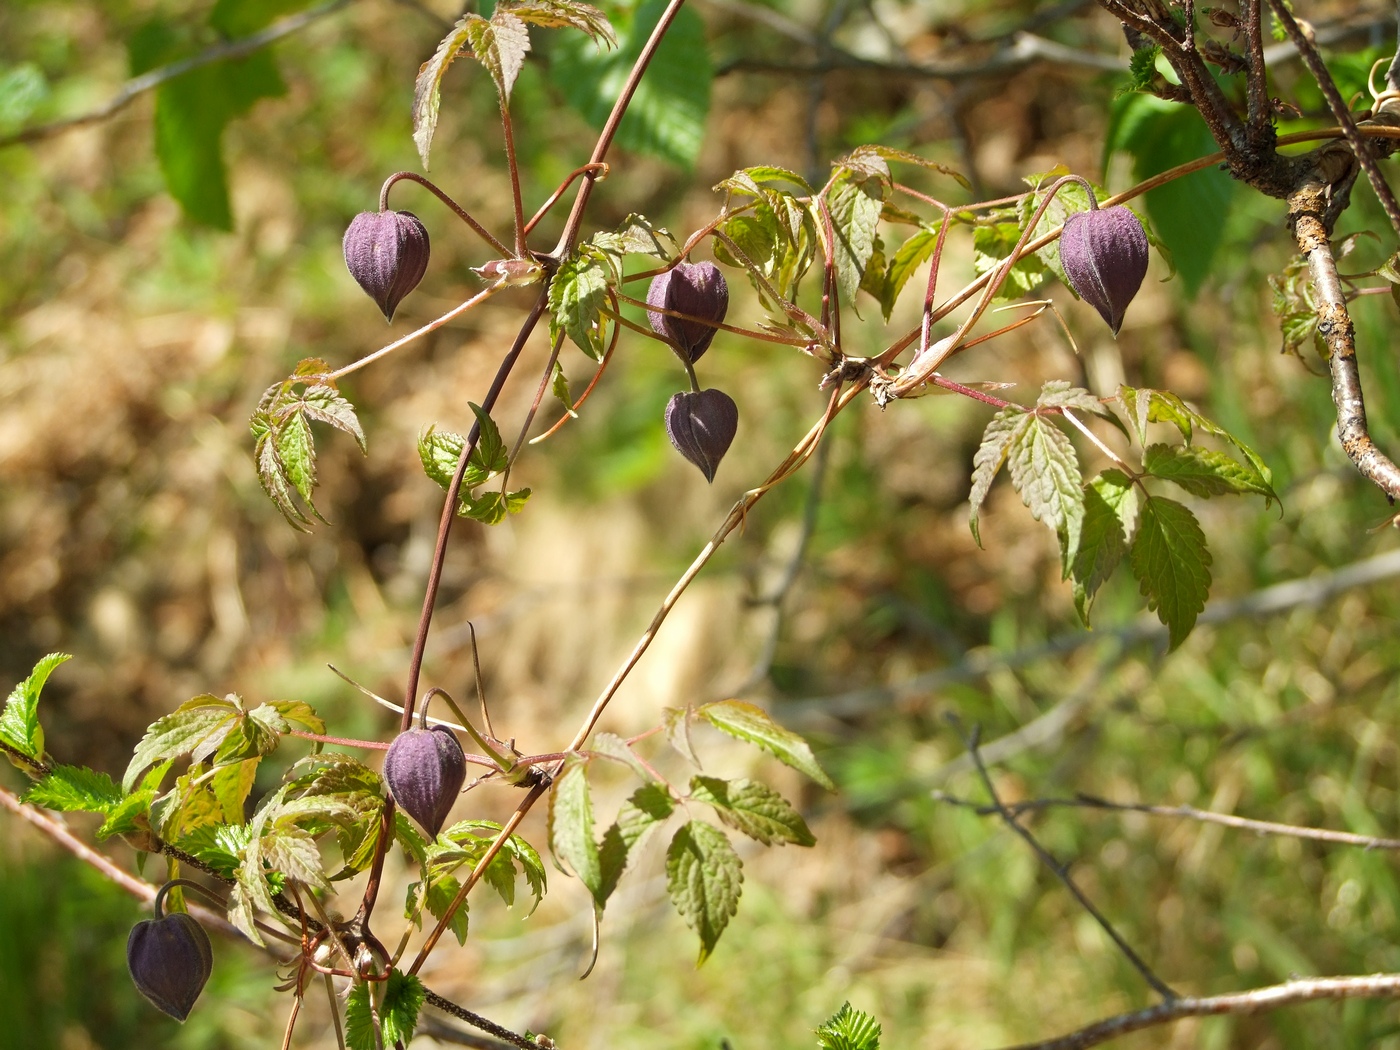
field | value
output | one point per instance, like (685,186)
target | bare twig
(138,888)
(1360,147)
(1061,871)
(477,1021)
(137,86)
(1204,816)
(1257,1000)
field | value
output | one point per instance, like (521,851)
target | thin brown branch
(139,888)
(1255,1001)
(1061,872)
(447,1006)
(137,86)
(1359,146)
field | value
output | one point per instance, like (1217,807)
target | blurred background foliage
(136,334)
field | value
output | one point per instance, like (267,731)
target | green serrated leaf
(577,295)
(231,785)
(19,721)
(753,808)
(530,863)
(203,720)
(398,1010)
(326,404)
(359,1019)
(746,722)
(1171,564)
(489,446)
(559,14)
(1109,501)
(636,235)
(559,387)
(704,878)
(854,204)
(1203,472)
(500,44)
(218,845)
(1142,68)
(571,827)
(649,806)
(427,88)
(1001,433)
(1044,469)
(910,255)
(849,1029)
(75,789)
(292,852)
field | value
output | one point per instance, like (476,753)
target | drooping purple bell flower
(387,254)
(701,424)
(698,289)
(425,768)
(1104,253)
(170,960)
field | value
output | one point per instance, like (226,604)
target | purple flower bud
(425,769)
(1104,253)
(387,253)
(698,289)
(701,424)
(169,959)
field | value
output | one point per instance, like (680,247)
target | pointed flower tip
(1104,254)
(387,254)
(701,426)
(698,289)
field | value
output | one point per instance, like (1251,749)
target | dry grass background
(133,534)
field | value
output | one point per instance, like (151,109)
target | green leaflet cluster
(441,451)
(319,826)
(284,449)
(704,876)
(1114,515)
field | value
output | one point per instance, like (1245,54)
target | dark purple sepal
(387,254)
(170,960)
(698,289)
(701,424)
(425,769)
(1104,254)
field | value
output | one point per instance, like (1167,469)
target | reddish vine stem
(515,199)
(449,508)
(420,641)
(431,186)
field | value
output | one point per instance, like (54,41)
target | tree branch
(137,86)
(1257,1000)
(1308,209)
(1061,872)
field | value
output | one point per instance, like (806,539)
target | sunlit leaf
(753,808)
(997,439)
(1171,564)
(75,789)
(704,878)
(849,1029)
(1109,503)
(649,806)
(571,827)
(19,721)
(746,722)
